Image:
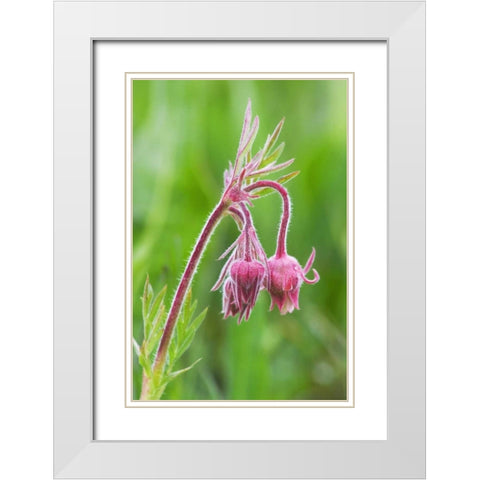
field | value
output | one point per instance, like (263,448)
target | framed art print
(256,363)
(240,223)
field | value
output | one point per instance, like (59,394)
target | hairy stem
(248,228)
(179,298)
(282,231)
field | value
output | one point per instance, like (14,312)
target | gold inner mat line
(349,77)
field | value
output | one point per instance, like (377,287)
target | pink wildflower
(243,274)
(285,279)
(247,270)
(247,277)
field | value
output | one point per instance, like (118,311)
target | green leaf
(158,302)
(159,319)
(157,386)
(146,300)
(156,313)
(160,382)
(184,346)
(173,349)
(286,178)
(192,309)
(268,169)
(154,316)
(262,192)
(190,333)
(187,306)
(151,344)
(175,374)
(145,362)
(195,324)
(182,341)
(273,156)
(271,139)
(248,145)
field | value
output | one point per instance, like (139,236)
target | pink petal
(316,278)
(310,260)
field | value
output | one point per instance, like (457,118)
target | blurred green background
(184,134)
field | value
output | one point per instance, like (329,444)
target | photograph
(239,239)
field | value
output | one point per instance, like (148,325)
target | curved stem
(282,231)
(179,297)
(237,216)
(248,227)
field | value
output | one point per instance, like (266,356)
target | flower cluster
(247,269)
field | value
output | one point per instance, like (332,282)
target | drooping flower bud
(244,273)
(247,277)
(285,279)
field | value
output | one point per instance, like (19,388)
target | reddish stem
(182,288)
(247,228)
(282,231)
(237,216)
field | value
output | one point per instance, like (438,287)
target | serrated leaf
(286,178)
(186,306)
(272,168)
(185,315)
(254,162)
(197,321)
(157,302)
(172,351)
(175,374)
(157,386)
(182,340)
(155,313)
(151,345)
(246,120)
(173,347)
(146,300)
(187,341)
(145,362)
(183,335)
(247,145)
(192,309)
(159,319)
(273,156)
(271,139)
